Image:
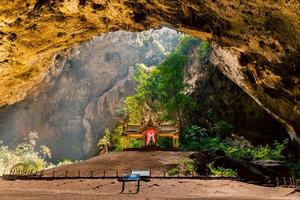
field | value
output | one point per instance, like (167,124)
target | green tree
(160,91)
(166,86)
(104,142)
(45,151)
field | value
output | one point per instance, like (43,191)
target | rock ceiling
(257,42)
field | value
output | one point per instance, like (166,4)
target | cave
(50,76)
(80,98)
(234,27)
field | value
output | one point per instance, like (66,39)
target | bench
(130,178)
(135,176)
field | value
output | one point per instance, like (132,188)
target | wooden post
(173,142)
(125,142)
(53,173)
(293,179)
(66,174)
(78,173)
(284,181)
(277,181)
(117,173)
(104,174)
(291,182)
(138,186)
(92,173)
(193,173)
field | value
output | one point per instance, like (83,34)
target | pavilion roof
(163,128)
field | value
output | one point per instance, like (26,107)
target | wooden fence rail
(92,174)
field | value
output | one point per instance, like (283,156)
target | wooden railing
(115,174)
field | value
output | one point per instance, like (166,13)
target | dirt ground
(106,189)
(156,161)
(155,189)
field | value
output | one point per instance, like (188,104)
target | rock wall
(80,97)
(213,90)
(258,41)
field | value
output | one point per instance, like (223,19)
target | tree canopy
(160,91)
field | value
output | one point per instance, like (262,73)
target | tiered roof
(138,129)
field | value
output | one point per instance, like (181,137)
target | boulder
(200,161)
(245,169)
(273,168)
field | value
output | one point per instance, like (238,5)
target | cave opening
(233,96)
(83,93)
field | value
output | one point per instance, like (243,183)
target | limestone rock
(258,41)
(81,95)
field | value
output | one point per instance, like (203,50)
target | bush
(117,139)
(65,162)
(29,165)
(173,171)
(136,143)
(23,158)
(185,166)
(188,166)
(221,127)
(274,152)
(165,142)
(221,171)
(295,168)
(213,143)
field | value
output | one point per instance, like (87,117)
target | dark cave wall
(213,90)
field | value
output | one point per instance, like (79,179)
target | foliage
(116,139)
(173,171)
(188,166)
(197,138)
(136,143)
(65,162)
(213,143)
(221,127)
(160,42)
(295,169)
(30,165)
(221,171)
(204,48)
(194,133)
(45,151)
(23,158)
(185,166)
(136,104)
(104,142)
(165,142)
(160,91)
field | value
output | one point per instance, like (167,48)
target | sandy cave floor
(106,189)
(155,189)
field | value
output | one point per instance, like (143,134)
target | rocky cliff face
(257,42)
(80,97)
(213,91)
